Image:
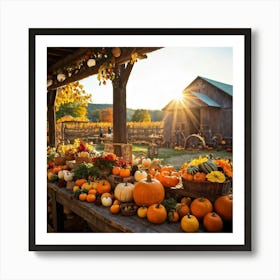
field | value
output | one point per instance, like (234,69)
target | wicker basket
(80,160)
(206,189)
(128,209)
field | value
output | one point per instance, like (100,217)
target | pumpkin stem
(149,178)
(189,215)
(158,205)
(213,214)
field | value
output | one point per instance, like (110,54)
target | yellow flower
(216,177)
(198,161)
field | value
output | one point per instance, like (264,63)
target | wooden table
(99,217)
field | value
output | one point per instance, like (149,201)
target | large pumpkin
(124,192)
(103,186)
(148,191)
(156,213)
(223,206)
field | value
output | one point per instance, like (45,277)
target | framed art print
(140,139)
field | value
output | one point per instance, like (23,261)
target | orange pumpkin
(167,168)
(169,179)
(156,213)
(57,169)
(199,177)
(187,176)
(200,207)
(103,186)
(125,172)
(223,206)
(182,209)
(148,192)
(213,222)
(173,216)
(116,170)
(80,182)
(115,208)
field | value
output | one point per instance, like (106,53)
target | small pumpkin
(116,170)
(200,207)
(146,162)
(189,223)
(186,200)
(68,176)
(106,201)
(187,176)
(80,182)
(140,175)
(125,172)
(103,186)
(213,222)
(182,209)
(199,177)
(223,206)
(148,192)
(124,192)
(173,216)
(169,168)
(60,174)
(115,208)
(156,213)
(142,212)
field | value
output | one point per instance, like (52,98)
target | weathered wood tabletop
(99,217)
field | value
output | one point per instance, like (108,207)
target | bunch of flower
(104,161)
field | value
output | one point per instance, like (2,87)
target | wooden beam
(86,71)
(51,117)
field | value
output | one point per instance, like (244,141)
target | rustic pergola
(59,59)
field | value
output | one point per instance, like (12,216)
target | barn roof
(206,99)
(227,88)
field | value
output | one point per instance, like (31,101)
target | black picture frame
(245,32)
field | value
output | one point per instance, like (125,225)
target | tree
(106,115)
(73,100)
(94,115)
(141,115)
(157,115)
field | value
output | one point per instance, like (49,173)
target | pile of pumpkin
(146,198)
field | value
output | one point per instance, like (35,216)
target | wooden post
(51,117)
(119,105)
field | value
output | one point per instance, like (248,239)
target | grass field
(174,157)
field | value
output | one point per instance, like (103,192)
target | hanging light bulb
(61,77)
(91,62)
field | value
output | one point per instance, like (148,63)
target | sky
(155,81)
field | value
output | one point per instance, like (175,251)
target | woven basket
(206,189)
(80,160)
(128,209)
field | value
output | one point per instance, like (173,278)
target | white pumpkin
(124,192)
(106,201)
(68,176)
(60,174)
(140,175)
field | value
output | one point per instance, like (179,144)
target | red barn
(205,108)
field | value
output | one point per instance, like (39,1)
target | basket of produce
(59,161)
(128,208)
(207,177)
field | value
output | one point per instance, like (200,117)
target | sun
(179,96)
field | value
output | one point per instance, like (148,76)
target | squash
(156,213)
(189,223)
(173,216)
(116,170)
(182,209)
(208,166)
(68,176)
(148,192)
(216,177)
(146,162)
(142,212)
(106,201)
(124,192)
(80,182)
(223,206)
(140,175)
(125,172)
(192,169)
(200,207)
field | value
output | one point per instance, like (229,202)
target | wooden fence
(89,131)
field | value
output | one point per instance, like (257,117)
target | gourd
(106,201)
(216,177)
(68,176)
(200,207)
(125,172)
(156,213)
(192,169)
(142,212)
(208,166)
(148,192)
(189,223)
(60,174)
(182,209)
(168,179)
(124,192)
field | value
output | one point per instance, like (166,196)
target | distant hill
(156,115)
